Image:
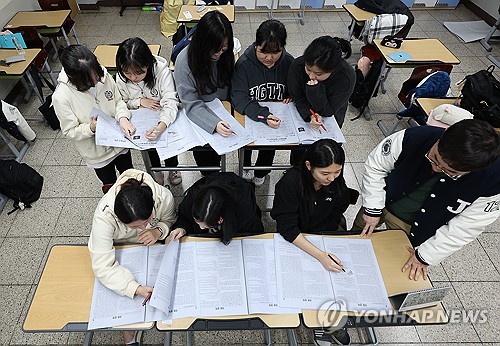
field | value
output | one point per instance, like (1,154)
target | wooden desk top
(227,10)
(423,51)
(428,104)
(391,253)
(17,68)
(64,293)
(358,14)
(106,54)
(38,19)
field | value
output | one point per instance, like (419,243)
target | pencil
(334,261)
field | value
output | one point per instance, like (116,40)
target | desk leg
(87,341)
(75,35)
(372,337)
(223,163)
(241,153)
(351,30)
(189,338)
(147,162)
(49,71)
(33,85)
(292,338)
(65,36)
(54,47)
(28,90)
(167,339)
(267,337)
(381,77)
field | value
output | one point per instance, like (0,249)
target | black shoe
(341,337)
(338,337)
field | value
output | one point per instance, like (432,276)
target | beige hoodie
(107,229)
(73,110)
(163,91)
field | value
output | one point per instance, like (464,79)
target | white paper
(181,136)
(303,282)
(221,280)
(110,309)
(308,136)
(143,120)
(260,277)
(223,145)
(164,281)
(361,286)
(109,133)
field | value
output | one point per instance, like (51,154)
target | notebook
(400,56)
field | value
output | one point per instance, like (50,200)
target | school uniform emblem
(154,92)
(386,147)
(108,94)
(154,222)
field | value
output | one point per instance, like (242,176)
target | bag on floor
(481,96)
(46,108)
(20,182)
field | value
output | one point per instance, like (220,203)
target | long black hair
(321,154)
(134,54)
(326,52)
(80,64)
(134,201)
(207,40)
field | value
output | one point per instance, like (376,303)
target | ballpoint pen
(147,298)
(267,118)
(234,133)
(337,263)
(313,113)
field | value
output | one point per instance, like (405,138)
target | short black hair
(134,54)
(469,145)
(325,52)
(134,201)
(271,35)
(80,64)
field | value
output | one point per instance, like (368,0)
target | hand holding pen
(331,262)
(272,120)
(224,129)
(316,121)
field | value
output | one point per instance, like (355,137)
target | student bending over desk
(222,204)
(83,85)
(260,75)
(203,73)
(135,210)
(144,80)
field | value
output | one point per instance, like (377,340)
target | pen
(149,296)
(313,113)
(234,133)
(267,118)
(334,261)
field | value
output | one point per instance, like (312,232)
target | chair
(418,74)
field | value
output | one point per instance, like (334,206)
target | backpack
(181,44)
(481,96)
(20,182)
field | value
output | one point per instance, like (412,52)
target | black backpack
(20,182)
(481,96)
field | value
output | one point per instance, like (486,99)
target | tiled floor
(71,190)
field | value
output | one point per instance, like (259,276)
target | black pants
(107,174)
(296,156)
(155,160)
(264,158)
(206,158)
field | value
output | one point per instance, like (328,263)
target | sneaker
(175,177)
(247,175)
(338,337)
(158,177)
(259,181)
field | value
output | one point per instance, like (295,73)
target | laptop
(419,299)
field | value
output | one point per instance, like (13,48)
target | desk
(64,294)
(106,54)
(391,253)
(428,104)
(42,20)
(358,16)
(227,10)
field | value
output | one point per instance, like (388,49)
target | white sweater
(73,109)
(107,229)
(163,91)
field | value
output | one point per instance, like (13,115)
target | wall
(8,8)
(489,6)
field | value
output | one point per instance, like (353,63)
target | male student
(441,186)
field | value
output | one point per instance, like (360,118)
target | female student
(203,73)
(312,197)
(260,75)
(135,210)
(83,85)
(222,204)
(144,80)
(321,81)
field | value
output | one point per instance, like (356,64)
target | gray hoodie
(253,82)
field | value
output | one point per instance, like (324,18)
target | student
(203,73)
(222,204)
(145,80)
(135,210)
(83,85)
(322,81)
(260,75)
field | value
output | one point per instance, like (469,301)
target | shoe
(247,175)
(259,181)
(158,177)
(137,340)
(175,177)
(338,337)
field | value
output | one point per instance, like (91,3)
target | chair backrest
(418,74)
(55,5)
(30,36)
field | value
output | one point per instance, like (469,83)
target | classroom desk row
(63,297)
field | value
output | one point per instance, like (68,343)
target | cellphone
(201,8)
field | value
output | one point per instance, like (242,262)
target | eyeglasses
(452,177)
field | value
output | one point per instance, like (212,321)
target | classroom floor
(71,191)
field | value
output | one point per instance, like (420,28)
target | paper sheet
(109,133)
(144,119)
(162,277)
(308,136)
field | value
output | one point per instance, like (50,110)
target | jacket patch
(386,147)
(267,92)
(108,94)
(461,207)
(492,206)
(328,199)
(154,92)
(154,222)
